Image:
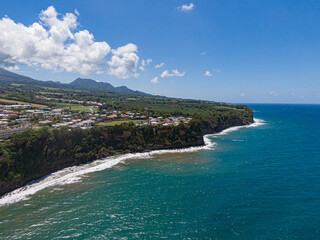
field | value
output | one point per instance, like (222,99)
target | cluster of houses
(23,117)
(175,121)
(14,107)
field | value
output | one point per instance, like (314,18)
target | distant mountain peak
(90,83)
(93,84)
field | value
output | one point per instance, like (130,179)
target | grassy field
(51,93)
(132,99)
(64,89)
(14,102)
(76,107)
(113,123)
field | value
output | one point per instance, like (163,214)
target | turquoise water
(260,182)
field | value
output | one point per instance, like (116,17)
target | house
(57,111)
(45,122)
(112,116)
(22,120)
(39,114)
(3,124)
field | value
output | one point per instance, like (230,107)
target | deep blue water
(257,183)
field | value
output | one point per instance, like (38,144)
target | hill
(8,78)
(92,84)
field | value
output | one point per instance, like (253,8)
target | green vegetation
(113,123)
(12,102)
(76,107)
(51,93)
(16,84)
(33,154)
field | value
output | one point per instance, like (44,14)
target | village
(17,118)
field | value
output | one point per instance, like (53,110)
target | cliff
(34,154)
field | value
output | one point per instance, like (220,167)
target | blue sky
(252,51)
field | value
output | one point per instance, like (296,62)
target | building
(12,107)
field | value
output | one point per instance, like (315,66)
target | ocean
(255,182)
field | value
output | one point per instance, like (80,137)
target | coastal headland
(35,153)
(48,126)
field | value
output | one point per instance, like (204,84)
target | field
(113,123)
(14,102)
(51,93)
(76,107)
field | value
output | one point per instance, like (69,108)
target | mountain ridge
(8,77)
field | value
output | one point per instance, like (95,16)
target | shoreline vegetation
(33,154)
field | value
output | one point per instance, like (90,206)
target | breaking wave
(256,123)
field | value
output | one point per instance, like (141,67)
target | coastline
(74,174)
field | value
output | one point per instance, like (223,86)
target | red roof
(112,116)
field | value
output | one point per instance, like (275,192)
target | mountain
(7,78)
(92,84)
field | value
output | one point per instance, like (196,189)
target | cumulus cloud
(186,7)
(154,80)
(54,43)
(159,65)
(174,73)
(208,74)
(124,61)
(274,93)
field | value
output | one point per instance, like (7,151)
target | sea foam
(76,173)
(256,122)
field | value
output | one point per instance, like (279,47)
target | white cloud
(203,53)
(159,65)
(124,61)
(99,72)
(154,80)
(174,73)
(177,73)
(12,68)
(166,73)
(186,7)
(54,43)
(242,94)
(208,74)
(146,62)
(136,75)
(274,93)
